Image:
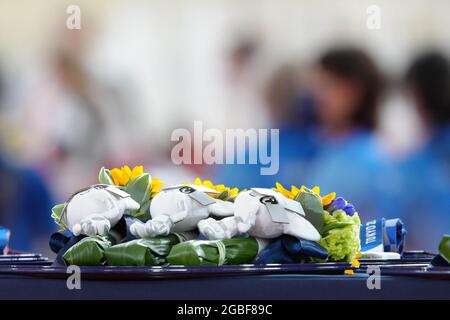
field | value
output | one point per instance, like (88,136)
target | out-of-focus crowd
(329,137)
(330,110)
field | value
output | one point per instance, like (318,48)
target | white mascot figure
(96,209)
(180,209)
(263,214)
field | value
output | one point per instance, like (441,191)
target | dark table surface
(417,284)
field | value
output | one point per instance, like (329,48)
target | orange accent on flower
(326,200)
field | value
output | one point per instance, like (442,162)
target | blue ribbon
(383,235)
(288,249)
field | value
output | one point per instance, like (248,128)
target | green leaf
(312,205)
(444,248)
(141,252)
(223,195)
(87,252)
(140,188)
(238,250)
(105,177)
(144,212)
(56,215)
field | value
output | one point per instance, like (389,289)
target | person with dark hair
(347,90)
(289,106)
(428,81)
(423,178)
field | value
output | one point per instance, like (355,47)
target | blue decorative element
(288,249)
(380,235)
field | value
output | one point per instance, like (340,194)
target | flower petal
(327,199)
(137,171)
(117,176)
(126,171)
(316,189)
(208,183)
(283,191)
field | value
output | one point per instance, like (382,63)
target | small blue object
(4,239)
(383,235)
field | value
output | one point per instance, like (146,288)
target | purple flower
(341,204)
(337,204)
(349,209)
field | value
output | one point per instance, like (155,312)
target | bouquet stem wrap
(141,252)
(95,251)
(89,251)
(216,252)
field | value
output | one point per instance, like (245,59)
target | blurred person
(25,203)
(423,178)
(289,106)
(245,76)
(76,121)
(347,88)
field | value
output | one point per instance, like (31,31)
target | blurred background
(363,112)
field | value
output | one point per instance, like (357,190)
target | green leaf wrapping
(89,251)
(56,215)
(216,252)
(226,196)
(104,177)
(444,248)
(140,188)
(312,205)
(141,252)
(144,212)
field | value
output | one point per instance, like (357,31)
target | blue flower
(341,204)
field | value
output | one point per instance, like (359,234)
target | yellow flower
(156,186)
(122,177)
(288,194)
(326,200)
(231,192)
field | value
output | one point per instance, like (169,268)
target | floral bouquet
(129,219)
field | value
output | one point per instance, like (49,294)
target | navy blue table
(280,286)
